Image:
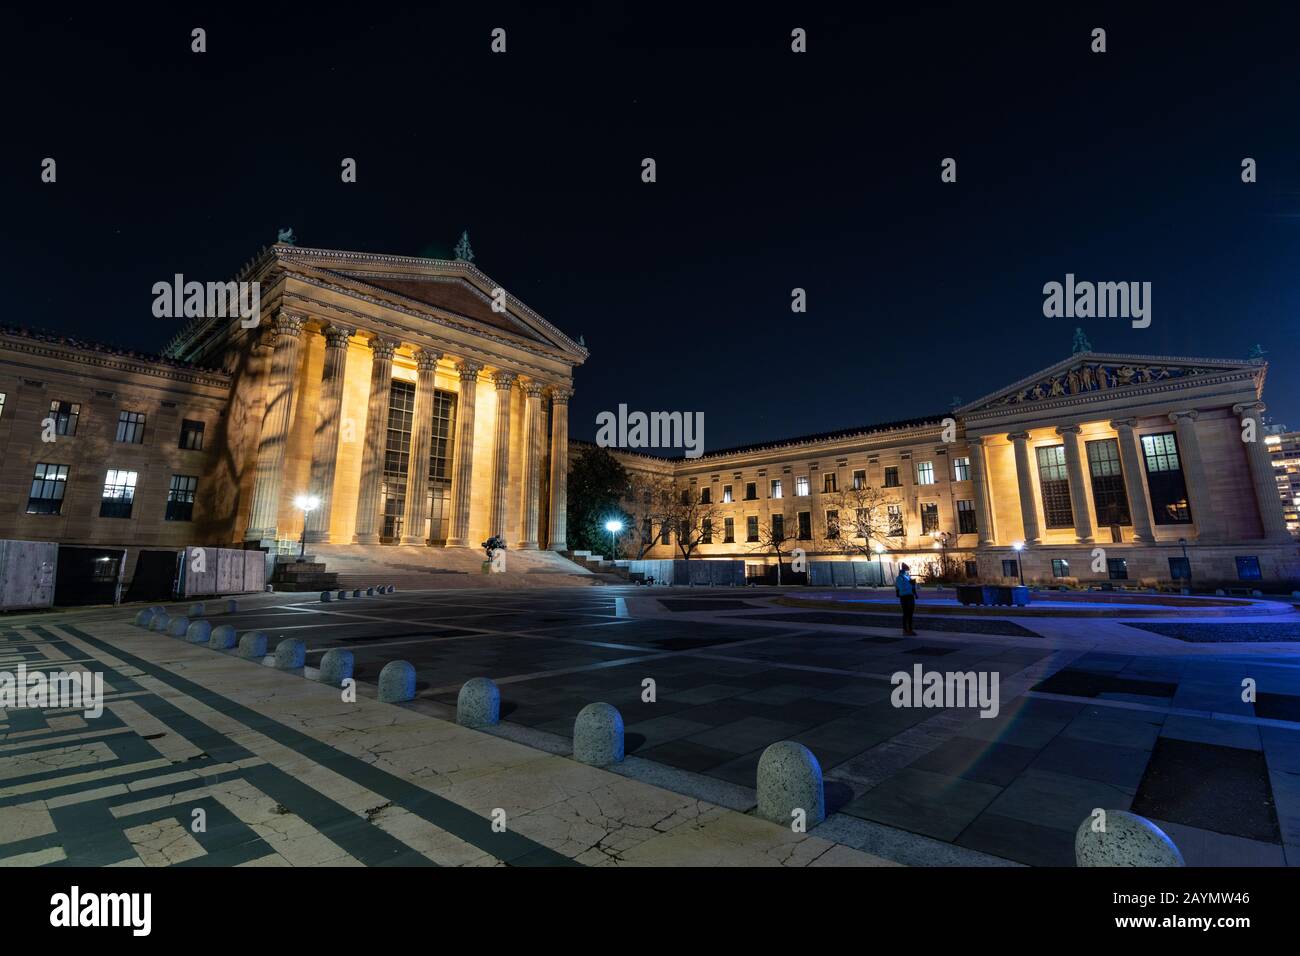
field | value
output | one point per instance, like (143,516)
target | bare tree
(689,517)
(775,538)
(645,505)
(862,520)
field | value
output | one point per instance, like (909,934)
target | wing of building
(1102,467)
(418,400)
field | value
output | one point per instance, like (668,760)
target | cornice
(102,356)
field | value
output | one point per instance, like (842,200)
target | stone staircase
(599,565)
(424,568)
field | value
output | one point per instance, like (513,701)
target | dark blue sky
(775,170)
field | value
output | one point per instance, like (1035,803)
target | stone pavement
(286,773)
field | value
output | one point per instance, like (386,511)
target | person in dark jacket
(905,588)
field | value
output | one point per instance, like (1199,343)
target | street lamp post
(613,526)
(1187,565)
(1020,546)
(306,504)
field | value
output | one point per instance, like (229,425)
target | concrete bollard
(478,704)
(290,654)
(177,626)
(326,596)
(198,632)
(397,682)
(222,637)
(598,735)
(232,606)
(370,591)
(252,646)
(789,779)
(344,595)
(196,610)
(357,592)
(158,609)
(143,618)
(1127,840)
(335,667)
(159,623)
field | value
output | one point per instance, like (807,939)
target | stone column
(325,445)
(1139,505)
(417,469)
(276,419)
(1025,481)
(372,461)
(1262,474)
(556,540)
(462,490)
(533,445)
(1078,489)
(504,382)
(1198,488)
(979,483)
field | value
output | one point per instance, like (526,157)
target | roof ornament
(1257,353)
(582,341)
(956,403)
(1081,343)
(463,252)
(286,237)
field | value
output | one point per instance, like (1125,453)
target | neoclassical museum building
(1102,468)
(416,399)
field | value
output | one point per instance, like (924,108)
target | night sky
(775,171)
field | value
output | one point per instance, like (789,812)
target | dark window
(1060,568)
(665,533)
(751,491)
(684,531)
(891,478)
(751,528)
(1108,492)
(728,530)
(966,523)
(397,459)
(778,527)
(929,517)
(828,483)
(805,526)
(1180,569)
(48,485)
(705,496)
(1165,479)
(1009,568)
(180,498)
(130,427)
(1248,568)
(65,415)
(972,569)
(1117,568)
(706,531)
(832,524)
(191,435)
(686,496)
(119,494)
(1055,484)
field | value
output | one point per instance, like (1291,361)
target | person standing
(905,588)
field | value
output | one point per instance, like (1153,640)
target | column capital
(383,348)
(1249,409)
(1121,424)
(504,381)
(426,360)
(1068,430)
(560,394)
(288,323)
(337,336)
(468,370)
(1189,415)
(532,388)
(1018,436)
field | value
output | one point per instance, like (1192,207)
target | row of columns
(267,487)
(1204,515)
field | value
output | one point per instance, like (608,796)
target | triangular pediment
(1094,373)
(448,290)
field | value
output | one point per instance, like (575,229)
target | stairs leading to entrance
(599,565)
(307,575)
(420,568)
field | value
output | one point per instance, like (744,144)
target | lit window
(776,488)
(130,428)
(925,472)
(801,486)
(48,486)
(119,494)
(961,469)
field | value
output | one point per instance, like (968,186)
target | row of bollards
(789,777)
(345,595)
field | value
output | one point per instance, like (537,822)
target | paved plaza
(1137,708)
